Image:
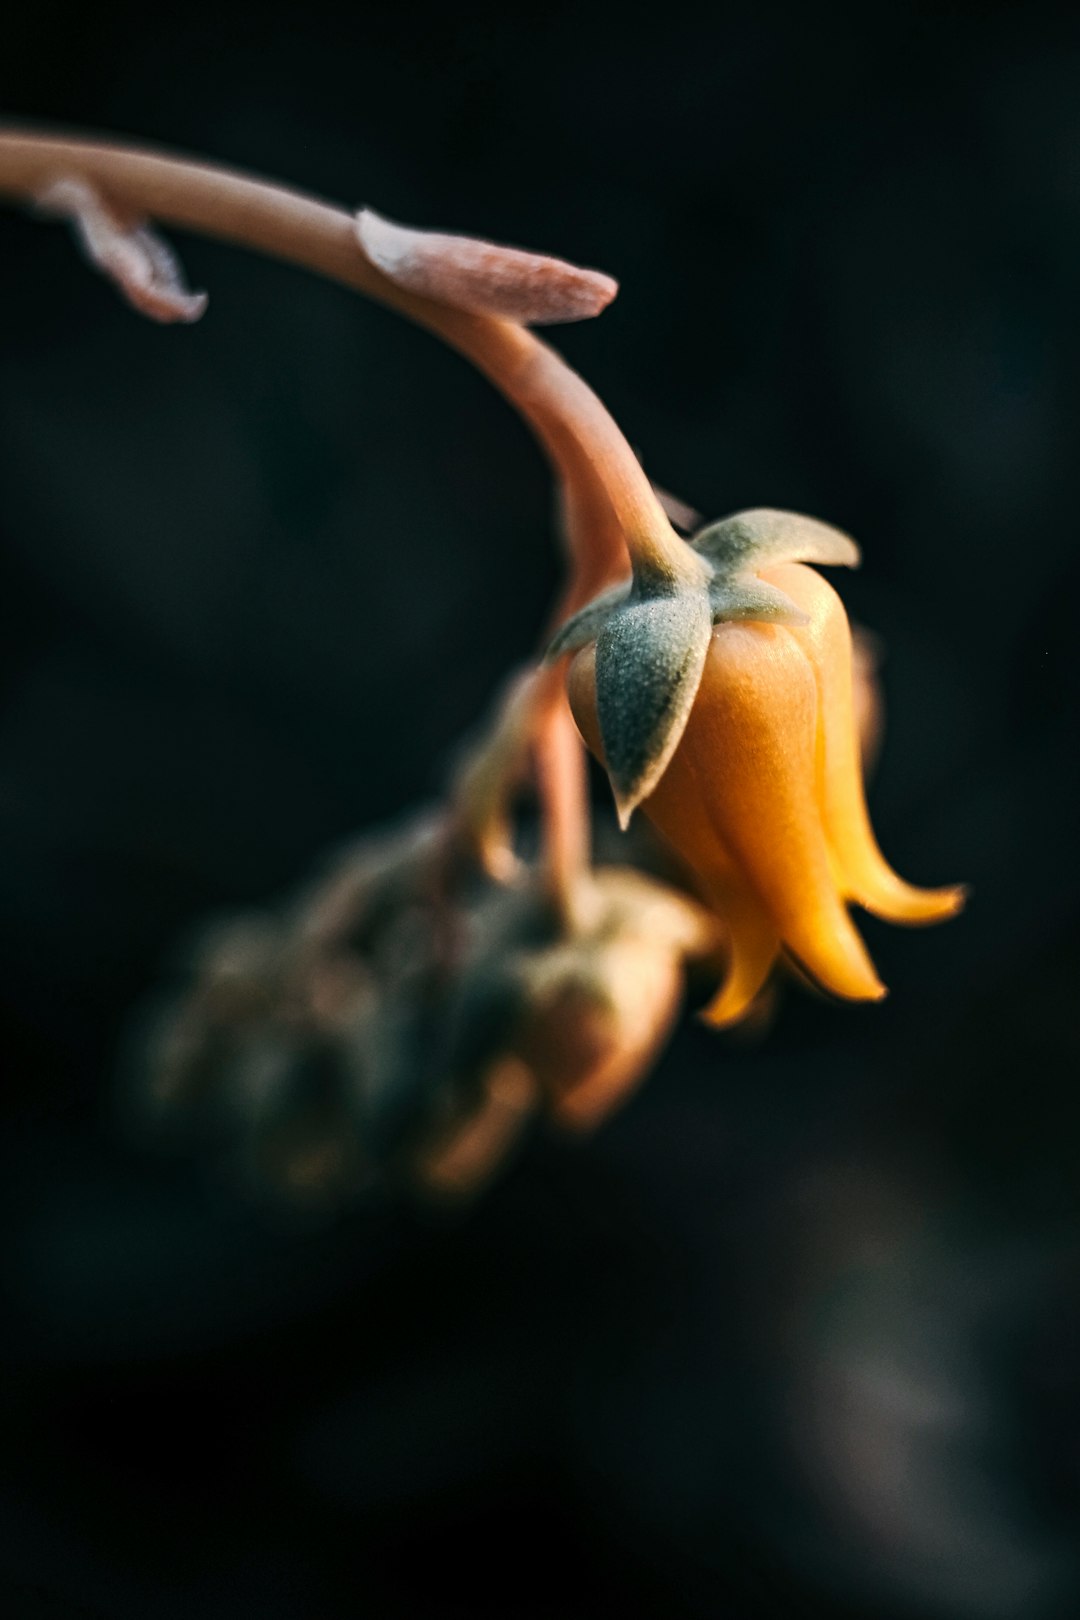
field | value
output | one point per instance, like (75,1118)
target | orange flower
(761,789)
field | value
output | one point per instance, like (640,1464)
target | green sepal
(747,541)
(649,659)
(586,624)
(751,598)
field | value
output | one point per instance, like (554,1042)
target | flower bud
(599,1006)
(762,795)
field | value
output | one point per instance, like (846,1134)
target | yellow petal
(684,821)
(862,872)
(753,946)
(739,803)
(749,756)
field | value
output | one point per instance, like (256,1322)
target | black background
(797,1332)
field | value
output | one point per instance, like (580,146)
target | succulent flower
(721,701)
(446,983)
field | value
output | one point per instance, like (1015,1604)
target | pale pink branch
(128,252)
(572,424)
(483,277)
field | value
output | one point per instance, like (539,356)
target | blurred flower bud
(466,1149)
(582,1004)
(598,1006)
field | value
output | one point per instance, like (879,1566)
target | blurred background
(797,1333)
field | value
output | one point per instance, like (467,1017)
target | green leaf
(759,538)
(649,658)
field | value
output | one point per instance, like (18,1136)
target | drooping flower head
(723,705)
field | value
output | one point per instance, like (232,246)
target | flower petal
(749,753)
(753,946)
(862,871)
(649,659)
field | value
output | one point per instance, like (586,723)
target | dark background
(797,1333)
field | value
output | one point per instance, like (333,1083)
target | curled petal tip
(886,895)
(724,1011)
(869,989)
(938,905)
(752,949)
(865,986)
(745,981)
(832,954)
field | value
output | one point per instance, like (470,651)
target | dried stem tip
(127,251)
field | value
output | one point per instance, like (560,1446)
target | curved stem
(563,790)
(593,540)
(572,424)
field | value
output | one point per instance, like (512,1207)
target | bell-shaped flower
(725,709)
